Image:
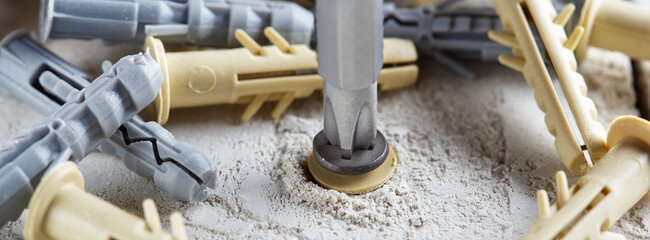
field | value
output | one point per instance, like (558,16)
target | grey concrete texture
(472,155)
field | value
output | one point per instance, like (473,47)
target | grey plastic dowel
(446,33)
(194,22)
(75,129)
(44,81)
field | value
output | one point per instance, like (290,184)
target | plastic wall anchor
(446,34)
(61,209)
(354,184)
(617,26)
(460,33)
(194,22)
(527,59)
(77,128)
(573,84)
(22,60)
(44,81)
(256,74)
(613,186)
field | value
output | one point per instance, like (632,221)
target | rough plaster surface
(472,154)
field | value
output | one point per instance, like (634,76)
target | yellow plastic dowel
(617,26)
(528,60)
(354,184)
(61,209)
(257,74)
(613,186)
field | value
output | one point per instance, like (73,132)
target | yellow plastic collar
(61,209)
(354,184)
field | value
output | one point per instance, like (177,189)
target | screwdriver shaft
(350,57)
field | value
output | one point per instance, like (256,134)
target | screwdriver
(350,155)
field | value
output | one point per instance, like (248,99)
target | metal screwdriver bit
(350,57)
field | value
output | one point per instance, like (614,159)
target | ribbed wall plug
(44,81)
(446,34)
(615,25)
(62,209)
(613,186)
(528,60)
(86,120)
(254,74)
(193,22)
(621,168)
